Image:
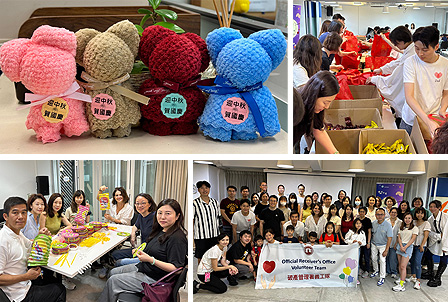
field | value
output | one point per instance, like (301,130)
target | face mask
(283,203)
(293,200)
(357,202)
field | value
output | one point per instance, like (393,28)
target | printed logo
(438,75)
(308,250)
(269,266)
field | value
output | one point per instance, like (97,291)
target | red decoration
(269,266)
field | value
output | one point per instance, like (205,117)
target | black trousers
(215,284)
(48,289)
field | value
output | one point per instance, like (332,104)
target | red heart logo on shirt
(268,266)
(438,75)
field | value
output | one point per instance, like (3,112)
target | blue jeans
(365,253)
(392,262)
(124,257)
(406,127)
(416,262)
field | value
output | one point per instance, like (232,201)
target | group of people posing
(415,84)
(160,225)
(389,234)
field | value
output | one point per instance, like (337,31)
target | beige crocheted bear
(108,59)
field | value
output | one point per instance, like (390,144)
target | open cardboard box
(418,138)
(358,116)
(345,141)
(378,136)
(365,96)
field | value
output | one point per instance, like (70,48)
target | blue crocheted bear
(239,105)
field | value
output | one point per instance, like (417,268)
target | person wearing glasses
(380,244)
(146,208)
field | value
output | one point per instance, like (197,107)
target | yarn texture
(106,57)
(174,62)
(244,63)
(46,65)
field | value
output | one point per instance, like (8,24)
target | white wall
(359,18)
(18,178)
(216,178)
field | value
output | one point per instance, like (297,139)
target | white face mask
(283,203)
(357,202)
(293,200)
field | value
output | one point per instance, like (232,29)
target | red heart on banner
(438,75)
(268,266)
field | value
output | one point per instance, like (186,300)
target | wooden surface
(99,18)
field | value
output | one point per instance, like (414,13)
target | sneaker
(232,280)
(411,279)
(360,272)
(103,273)
(67,282)
(195,286)
(357,282)
(398,288)
(398,281)
(373,275)
(417,285)
(380,282)
(365,274)
(393,276)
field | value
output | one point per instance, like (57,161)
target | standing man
(245,192)
(281,191)
(263,188)
(16,280)
(228,207)
(381,239)
(205,219)
(327,203)
(301,196)
(272,218)
(299,227)
(239,256)
(438,243)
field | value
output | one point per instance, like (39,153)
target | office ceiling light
(357,166)
(203,162)
(357,3)
(286,164)
(416,7)
(417,167)
(338,8)
(385,10)
(429,5)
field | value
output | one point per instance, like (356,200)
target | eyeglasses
(141,204)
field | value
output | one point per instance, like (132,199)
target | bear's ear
(217,39)
(11,54)
(56,37)
(83,37)
(151,37)
(126,31)
(274,42)
(200,43)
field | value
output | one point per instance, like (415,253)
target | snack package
(104,201)
(40,251)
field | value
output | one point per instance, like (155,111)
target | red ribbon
(167,86)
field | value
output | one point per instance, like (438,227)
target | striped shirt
(206,218)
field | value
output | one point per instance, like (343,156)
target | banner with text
(297,265)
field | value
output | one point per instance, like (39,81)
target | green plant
(154,14)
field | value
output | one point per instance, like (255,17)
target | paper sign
(235,110)
(104,201)
(55,110)
(103,106)
(173,105)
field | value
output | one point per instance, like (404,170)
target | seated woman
(165,251)
(146,208)
(35,205)
(53,218)
(79,199)
(209,270)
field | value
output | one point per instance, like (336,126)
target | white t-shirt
(206,261)
(395,229)
(14,251)
(406,234)
(325,209)
(352,236)
(336,220)
(300,200)
(430,79)
(425,226)
(300,75)
(299,229)
(243,222)
(311,226)
(125,215)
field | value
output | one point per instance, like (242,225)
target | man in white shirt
(425,77)
(392,87)
(299,227)
(437,243)
(243,219)
(327,203)
(15,278)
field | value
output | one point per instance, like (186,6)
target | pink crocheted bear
(46,65)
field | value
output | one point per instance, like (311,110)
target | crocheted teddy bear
(175,62)
(108,58)
(239,105)
(46,65)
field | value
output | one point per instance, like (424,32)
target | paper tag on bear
(103,106)
(173,105)
(104,201)
(55,110)
(235,110)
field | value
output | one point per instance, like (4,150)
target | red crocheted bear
(175,62)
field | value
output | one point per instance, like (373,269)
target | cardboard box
(378,136)
(345,141)
(203,3)
(365,96)
(358,116)
(419,134)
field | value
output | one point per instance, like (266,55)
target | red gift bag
(350,61)
(380,48)
(351,44)
(344,92)
(377,62)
